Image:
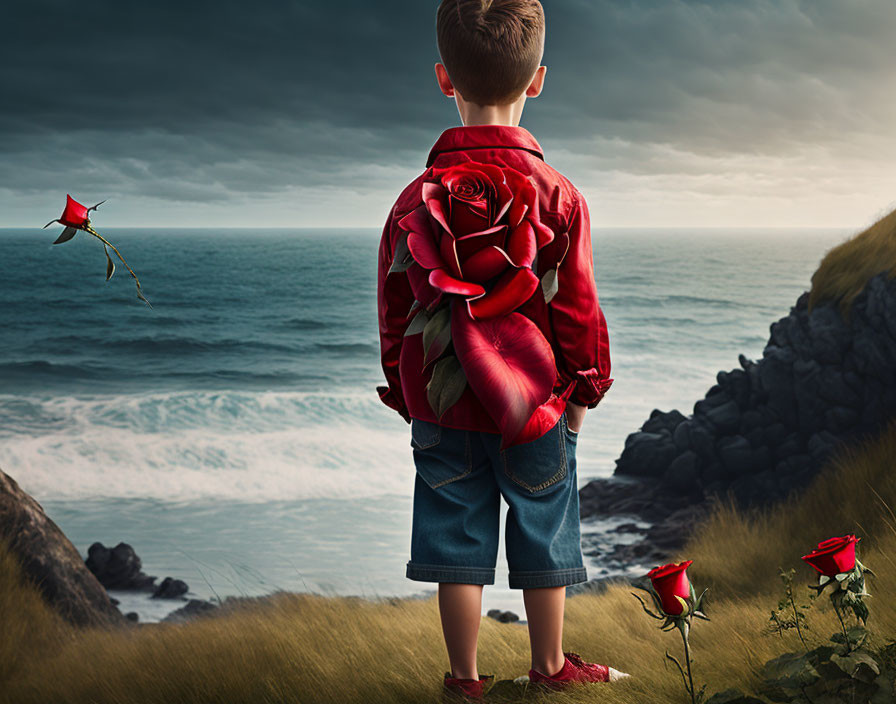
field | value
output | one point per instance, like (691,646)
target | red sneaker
(456,689)
(574,670)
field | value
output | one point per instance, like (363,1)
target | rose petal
(510,291)
(542,420)
(521,245)
(485,264)
(670,581)
(833,556)
(75,214)
(417,221)
(508,363)
(467,217)
(424,251)
(543,234)
(442,280)
(434,197)
(423,291)
(448,250)
(524,199)
(468,246)
(482,233)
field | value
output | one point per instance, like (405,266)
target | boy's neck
(508,115)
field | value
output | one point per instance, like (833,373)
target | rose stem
(796,618)
(687,660)
(105,241)
(842,625)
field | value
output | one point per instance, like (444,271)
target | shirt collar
(456,139)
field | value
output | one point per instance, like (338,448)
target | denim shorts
(461,476)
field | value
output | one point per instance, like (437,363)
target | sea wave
(204,445)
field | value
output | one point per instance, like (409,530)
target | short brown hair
(490,48)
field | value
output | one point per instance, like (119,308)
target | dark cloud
(207,106)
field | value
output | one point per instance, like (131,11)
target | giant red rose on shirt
(473,241)
(476,235)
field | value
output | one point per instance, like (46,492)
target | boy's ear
(445,84)
(537,82)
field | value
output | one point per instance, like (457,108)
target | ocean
(232,434)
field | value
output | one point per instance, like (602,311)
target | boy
(493,345)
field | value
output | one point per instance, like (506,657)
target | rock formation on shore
(50,560)
(827,377)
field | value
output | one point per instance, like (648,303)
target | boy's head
(491,49)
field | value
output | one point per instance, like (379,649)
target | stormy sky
(733,113)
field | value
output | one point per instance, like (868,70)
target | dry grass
(846,268)
(312,648)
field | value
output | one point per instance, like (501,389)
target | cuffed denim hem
(448,573)
(547,578)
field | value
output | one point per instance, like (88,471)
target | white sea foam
(182,446)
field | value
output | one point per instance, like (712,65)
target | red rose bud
(75,214)
(834,555)
(670,581)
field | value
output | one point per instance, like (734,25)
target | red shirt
(572,321)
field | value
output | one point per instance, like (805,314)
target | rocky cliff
(50,560)
(827,377)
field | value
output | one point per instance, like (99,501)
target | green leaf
(110,265)
(142,297)
(644,606)
(549,285)
(436,335)
(417,324)
(66,235)
(402,259)
(446,385)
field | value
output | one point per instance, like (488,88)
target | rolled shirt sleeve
(394,299)
(577,321)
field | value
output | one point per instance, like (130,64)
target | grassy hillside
(311,648)
(846,268)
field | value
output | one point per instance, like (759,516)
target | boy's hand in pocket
(575,416)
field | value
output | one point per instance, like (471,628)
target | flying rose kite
(75,217)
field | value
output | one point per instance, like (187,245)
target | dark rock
(752,420)
(725,418)
(502,616)
(629,528)
(736,454)
(702,439)
(785,677)
(789,446)
(170,589)
(118,567)
(774,434)
(596,586)
(764,430)
(681,436)
(733,696)
(682,473)
(646,454)
(840,418)
(662,421)
(194,608)
(132,616)
(50,561)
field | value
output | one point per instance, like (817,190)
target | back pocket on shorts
(539,463)
(441,455)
